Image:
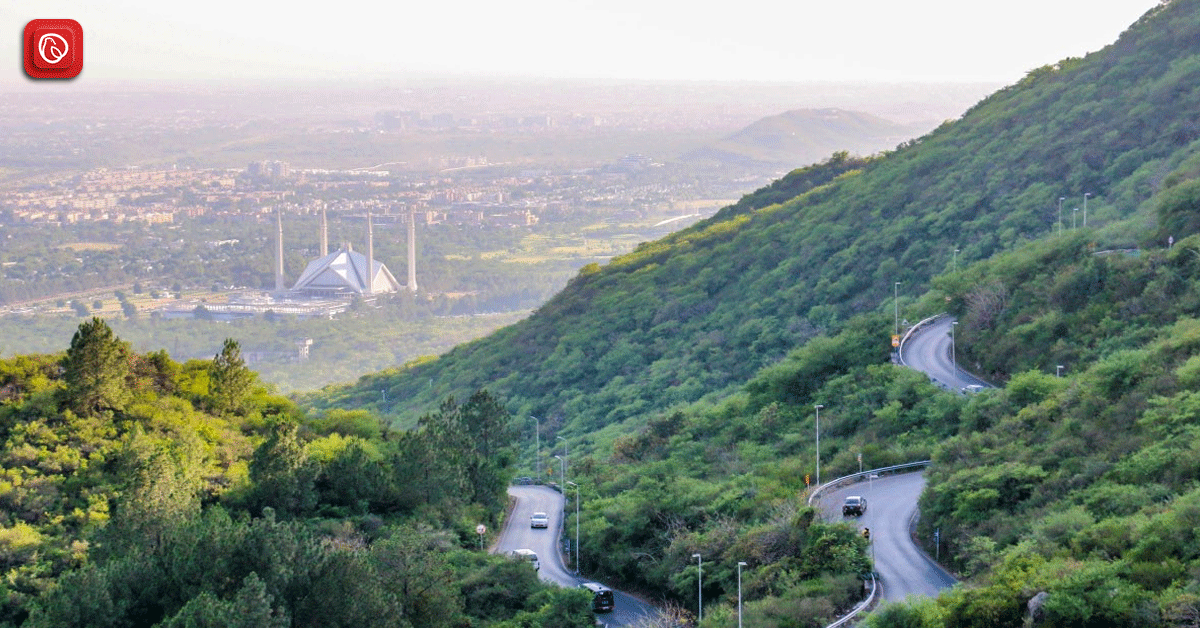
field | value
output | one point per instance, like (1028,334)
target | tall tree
(96,370)
(282,473)
(161,493)
(486,425)
(250,608)
(230,380)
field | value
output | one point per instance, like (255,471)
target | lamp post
(955,267)
(740,565)
(537,448)
(699,587)
(1058,370)
(1074,215)
(576,526)
(818,409)
(1085,197)
(953,351)
(896,301)
(1060,200)
(562,476)
(564,457)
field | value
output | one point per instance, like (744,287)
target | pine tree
(230,380)
(283,476)
(96,371)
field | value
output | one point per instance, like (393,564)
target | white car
(526,555)
(539,520)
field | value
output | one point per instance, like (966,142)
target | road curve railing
(862,606)
(961,374)
(852,479)
(863,475)
(913,330)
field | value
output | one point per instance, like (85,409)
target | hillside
(699,312)
(682,379)
(1083,486)
(806,136)
(140,492)
(683,375)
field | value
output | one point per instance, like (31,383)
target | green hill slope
(699,312)
(683,374)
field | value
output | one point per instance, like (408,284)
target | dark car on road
(602,597)
(854,505)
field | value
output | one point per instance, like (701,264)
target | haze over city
(758,40)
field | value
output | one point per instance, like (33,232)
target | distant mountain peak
(804,136)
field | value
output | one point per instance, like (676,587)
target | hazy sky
(772,40)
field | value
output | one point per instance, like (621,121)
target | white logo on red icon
(52,47)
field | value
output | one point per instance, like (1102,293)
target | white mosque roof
(345,270)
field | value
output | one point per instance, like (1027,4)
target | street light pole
(818,409)
(1060,200)
(896,301)
(1085,197)
(740,565)
(953,352)
(537,448)
(562,477)
(576,526)
(1058,370)
(955,267)
(699,587)
(1074,215)
(563,459)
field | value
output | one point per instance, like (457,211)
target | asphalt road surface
(545,541)
(903,570)
(931,351)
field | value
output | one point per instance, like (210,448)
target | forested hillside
(683,375)
(138,492)
(700,311)
(1084,485)
(682,378)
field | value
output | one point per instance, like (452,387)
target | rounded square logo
(53,48)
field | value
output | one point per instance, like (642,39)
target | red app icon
(53,48)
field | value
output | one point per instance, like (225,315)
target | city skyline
(922,40)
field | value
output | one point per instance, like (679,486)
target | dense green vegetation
(683,374)
(682,378)
(137,491)
(698,312)
(1082,486)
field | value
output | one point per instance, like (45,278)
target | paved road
(931,351)
(902,568)
(517,534)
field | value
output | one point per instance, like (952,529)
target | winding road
(931,351)
(902,569)
(518,535)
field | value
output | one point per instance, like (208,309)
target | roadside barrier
(852,479)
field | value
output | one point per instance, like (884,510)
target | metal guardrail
(912,330)
(960,373)
(862,475)
(850,479)
(863,605)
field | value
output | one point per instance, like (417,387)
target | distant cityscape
(160,195)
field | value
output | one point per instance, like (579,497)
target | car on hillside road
(602,597)
(539,520)
(854,506)
(527,556)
